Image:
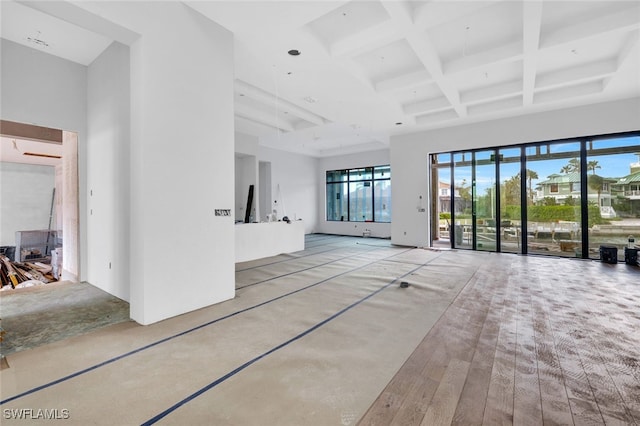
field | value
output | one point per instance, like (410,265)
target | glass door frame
(584,190)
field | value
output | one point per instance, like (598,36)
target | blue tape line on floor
(166,339)
(232,373)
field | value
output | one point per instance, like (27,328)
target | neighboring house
(628,187)
(444,199)
(561,187)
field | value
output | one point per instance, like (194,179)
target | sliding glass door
(510,213)
(462,230)
(553,188)
(613,185)
(485,212)
(562,198)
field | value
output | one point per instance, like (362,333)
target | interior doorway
(38,159)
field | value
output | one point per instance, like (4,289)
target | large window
(359,195)
(565,198)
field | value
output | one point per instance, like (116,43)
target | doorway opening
(40,209)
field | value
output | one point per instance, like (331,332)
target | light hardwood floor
(530,340)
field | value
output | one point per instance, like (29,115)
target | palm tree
(566,169)
(595,183)
(572,166)
(531,174)
(593,165)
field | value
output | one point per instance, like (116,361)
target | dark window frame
(360,175)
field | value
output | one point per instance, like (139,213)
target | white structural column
(182,152)
(70,218)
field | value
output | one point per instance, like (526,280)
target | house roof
(632,178)
(556,178)
(572,178)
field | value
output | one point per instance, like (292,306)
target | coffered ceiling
(371,69)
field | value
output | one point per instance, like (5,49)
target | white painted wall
(364,159)
(108,143)
(25,199)
(182,156)
(245,144)
(264,190)
(409,153)
(41,89)
(294,185)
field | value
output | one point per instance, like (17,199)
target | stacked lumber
(16,273)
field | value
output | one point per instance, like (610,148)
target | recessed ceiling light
(294,52)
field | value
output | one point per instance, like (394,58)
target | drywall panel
(44,90)
(264,191)
(259,240)
(409,153)
(245,144)
(364,159)
(25,199)
(108,142)
(182,160)
(71,212)
(294,185)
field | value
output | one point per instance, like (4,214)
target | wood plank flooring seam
(400,410)
(575,374)
(478,397)
(499,405)
(541,312)
(599,391)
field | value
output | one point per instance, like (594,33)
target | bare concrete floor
(311,338)
(36,316)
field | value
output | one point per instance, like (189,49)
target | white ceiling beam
(506,53)
(263,117)
(581,73)
(623,20)
(563,93)
(628,48)
(403,81)
(271,100)
(84,19)
(494,92)
(425,51)
(429,105)
(428,55)
(532,21)
(252,127)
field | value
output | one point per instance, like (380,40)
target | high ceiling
(371,69)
